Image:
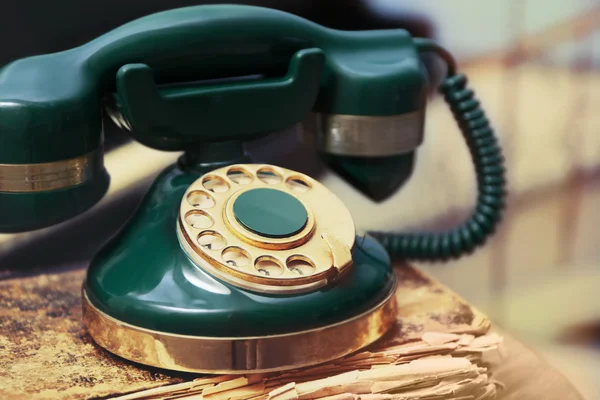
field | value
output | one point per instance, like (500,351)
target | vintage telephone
(229,266)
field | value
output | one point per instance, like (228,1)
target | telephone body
(229,266)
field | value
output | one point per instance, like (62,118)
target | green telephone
(229,266)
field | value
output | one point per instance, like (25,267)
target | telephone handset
(230,266)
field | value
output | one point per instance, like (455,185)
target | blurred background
(535,65)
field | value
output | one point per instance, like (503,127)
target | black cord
(489,168)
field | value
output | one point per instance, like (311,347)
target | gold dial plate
(217,242)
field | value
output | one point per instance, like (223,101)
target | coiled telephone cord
(490,172)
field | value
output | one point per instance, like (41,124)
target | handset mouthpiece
(38,195)
(375,154)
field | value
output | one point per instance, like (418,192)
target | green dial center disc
(270,213)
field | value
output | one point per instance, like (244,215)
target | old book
(460,373)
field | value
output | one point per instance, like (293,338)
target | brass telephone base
(153,298)
(238,355)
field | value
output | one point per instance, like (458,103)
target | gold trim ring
(367,136)
(54,175)
(231,355)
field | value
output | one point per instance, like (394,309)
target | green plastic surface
(376,177)
(270,213)
(143,277)
(50,105)
(176,118)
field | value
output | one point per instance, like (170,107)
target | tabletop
(526,376)
(46,352)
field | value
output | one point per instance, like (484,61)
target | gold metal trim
(231,355)
(27,178)
(362,135)
(327,217)
(238,279)
(342,256)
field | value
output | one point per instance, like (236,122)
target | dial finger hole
(239,176)
(215,184)
(269,175)
(201,199)
(268,266)
(235,257)
(300,265)
(297,184)
(211,241)
(199,219)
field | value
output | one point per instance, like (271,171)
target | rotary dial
(266,228)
